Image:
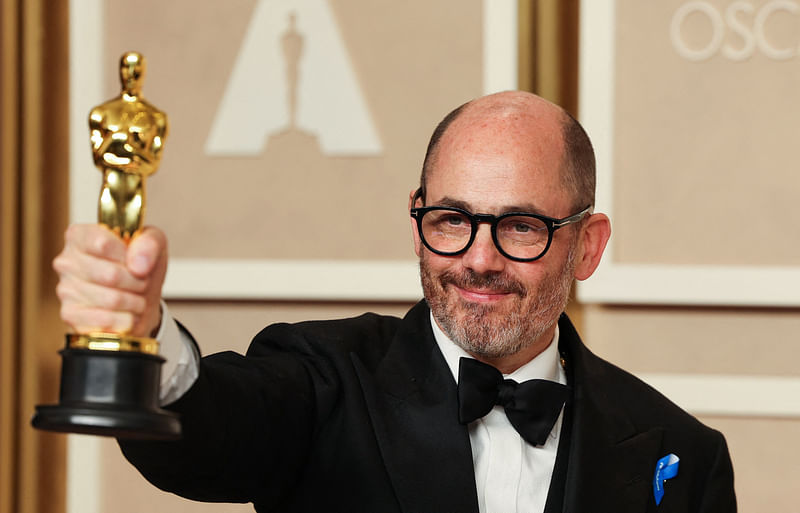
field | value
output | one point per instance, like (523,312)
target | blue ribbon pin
(666,468)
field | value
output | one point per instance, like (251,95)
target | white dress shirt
(511,475)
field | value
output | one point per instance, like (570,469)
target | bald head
(529,122)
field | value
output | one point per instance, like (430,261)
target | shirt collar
(546,365)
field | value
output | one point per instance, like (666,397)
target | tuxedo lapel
(610,461)
(411,398)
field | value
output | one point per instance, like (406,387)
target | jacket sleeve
(247,424)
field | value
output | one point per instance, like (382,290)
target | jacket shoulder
(627,394)
(645,405)
(367,335)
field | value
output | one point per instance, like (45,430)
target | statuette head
(131,73)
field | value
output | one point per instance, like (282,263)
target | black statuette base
(109,393)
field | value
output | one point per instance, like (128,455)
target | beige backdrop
(706,164)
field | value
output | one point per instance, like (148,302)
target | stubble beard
(487,330)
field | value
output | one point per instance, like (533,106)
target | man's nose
(483,256)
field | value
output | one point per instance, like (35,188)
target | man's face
(490,305)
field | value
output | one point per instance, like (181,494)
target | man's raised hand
(105,285)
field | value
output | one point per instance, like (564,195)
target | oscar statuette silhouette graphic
(110,381)
(292,46)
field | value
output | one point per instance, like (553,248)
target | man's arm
(246,422)
(247,426)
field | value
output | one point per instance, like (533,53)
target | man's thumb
(145,251)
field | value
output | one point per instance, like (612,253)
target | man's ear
(412,199)
(593,239)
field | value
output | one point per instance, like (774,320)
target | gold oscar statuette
(110,381)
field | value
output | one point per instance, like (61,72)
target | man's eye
(521,227)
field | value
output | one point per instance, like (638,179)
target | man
(365,414)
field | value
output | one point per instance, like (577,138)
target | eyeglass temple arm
(417,195)
(573,218)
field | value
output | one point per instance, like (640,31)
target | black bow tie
(532,406)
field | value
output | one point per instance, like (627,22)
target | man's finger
(97,240)
(100,271)
(146,250)
(70,289)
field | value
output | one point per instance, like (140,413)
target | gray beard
(477,332)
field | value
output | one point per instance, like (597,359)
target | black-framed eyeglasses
(519,236)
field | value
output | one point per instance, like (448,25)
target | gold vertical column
(548,50)
(9,163)
(33,156)
(44,180)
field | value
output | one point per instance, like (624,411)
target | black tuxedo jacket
(360,415)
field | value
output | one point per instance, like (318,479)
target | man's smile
(477,295)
